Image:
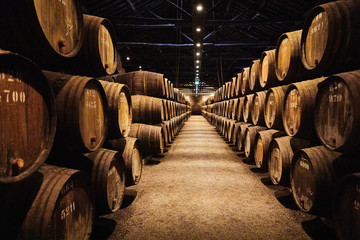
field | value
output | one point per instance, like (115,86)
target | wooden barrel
(298,109)
(119,109)
(107,180)
(230,109)
(97,55)
(337,122)
(166,134)
(323,49)
(248,102)
(257,108)
(261,146)
(245,86)
(143,83)
(281,152)
(238,84)
(39,35)
(254,79)
(234,134)
(130,150)
(165,109)
(233,92)
(235,109)
(62,208)
(28,117)
(249,142)
(151,142)
(314,176)
(267,73)
(346,212)
(171,134)
(288,66)
(82,108)
(274,102)
(241,136)
(147,109)
(230,130)
(241,104)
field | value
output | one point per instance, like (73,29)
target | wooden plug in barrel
(151,142)
(28,117)
(63,207)
(254,79)
(298,109)
(143,83)
(261,146)
(314,176)
(337,120)
(288,66)
(97,55)
(257,108)
(241,136)
(346,206)
(107,180)
(281,152)
(119,109)
(147,109)
(241,104)
(245,87)
(329,43)
(274,102)
(129,148)
(267,74)
(37,34)
(249,142)
(81,110)
(247,107)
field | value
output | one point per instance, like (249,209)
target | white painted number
(68,210)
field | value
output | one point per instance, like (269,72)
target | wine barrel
(267,73)
(63,207)
(171,134)
(288,66)
(165,109)
(346,212)
(150,138)
(234,134)
(233,92)
(240,108)
(337,122)
(329,43)
(107,180)
(129,148)
(28,117)
(261,146)
(30,28)
(147,109)
(298,109)
(314,176)
(257,108)
(166,134)
(230,109)
(274,102)
(230,130)
(238,84)
(97,55)
(247,107)
(281,152)
(81,110)
(254,79)
(241,136)
(235,109)
(249,142)
(245,87)
(143,83)
(119,109)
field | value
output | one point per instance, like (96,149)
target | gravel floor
(202,188)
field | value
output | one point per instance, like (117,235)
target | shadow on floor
(318,230)
(129,198)
(248,161)
(268,183)
(258,170)
(103,228)
(286,199)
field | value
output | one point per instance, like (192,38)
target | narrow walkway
(203,189)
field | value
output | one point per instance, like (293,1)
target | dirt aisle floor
(204,189)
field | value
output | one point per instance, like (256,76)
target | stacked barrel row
(300,126)
(64,118)
(159,109)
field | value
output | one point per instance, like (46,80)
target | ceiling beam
(178,7)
